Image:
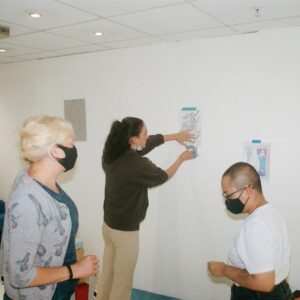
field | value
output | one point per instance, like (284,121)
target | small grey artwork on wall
(75,113)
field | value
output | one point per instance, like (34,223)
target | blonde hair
(41,131)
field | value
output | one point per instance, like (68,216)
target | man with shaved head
(258,262)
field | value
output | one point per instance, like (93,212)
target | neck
(258,202)
(43,173)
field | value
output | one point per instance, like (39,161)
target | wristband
(70,272)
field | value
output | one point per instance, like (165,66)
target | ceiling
(67,27)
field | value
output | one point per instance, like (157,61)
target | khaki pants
(119,261)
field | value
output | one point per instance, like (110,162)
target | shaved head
(242,174)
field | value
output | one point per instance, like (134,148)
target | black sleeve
(149,175)
(152,142)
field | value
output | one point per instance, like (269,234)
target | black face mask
(236,206)
(69,160)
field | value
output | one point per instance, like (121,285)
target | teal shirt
(65,289)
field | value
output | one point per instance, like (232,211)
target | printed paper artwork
(258,155)
(190,121)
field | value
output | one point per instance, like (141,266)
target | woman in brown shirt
(128,176)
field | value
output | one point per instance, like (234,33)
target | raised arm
(186,155)
(152,142)
(150,175)
(182,137)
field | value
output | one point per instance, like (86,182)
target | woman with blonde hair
(41,222)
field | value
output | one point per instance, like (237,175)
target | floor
(136,295)
(143,295)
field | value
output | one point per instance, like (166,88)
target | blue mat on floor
(143,295)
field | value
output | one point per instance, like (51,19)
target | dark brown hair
(117,142)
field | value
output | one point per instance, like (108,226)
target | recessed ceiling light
(98,33)
(35,15)
(2,50)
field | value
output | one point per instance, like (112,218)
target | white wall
(246,87)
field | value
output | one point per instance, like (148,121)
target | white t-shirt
(262,245)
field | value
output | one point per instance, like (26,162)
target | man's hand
(216,268)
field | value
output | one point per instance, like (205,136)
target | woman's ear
(56,152)
(133,140)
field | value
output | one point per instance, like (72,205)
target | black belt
(283,285)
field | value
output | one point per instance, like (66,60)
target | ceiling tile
(53,14)
(134,43)
(250,27)
(108,8)
(44,41)
(110,30)
(40,55)
(7,59)
(84,49)
(204,33)
(12,50)
(238,12)
(171,19)
(16,29)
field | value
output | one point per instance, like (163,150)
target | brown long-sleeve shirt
(126,187)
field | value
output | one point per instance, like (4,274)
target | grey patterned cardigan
(36,233)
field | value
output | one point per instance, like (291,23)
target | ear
(250,190)
(133,140)
(57,152)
